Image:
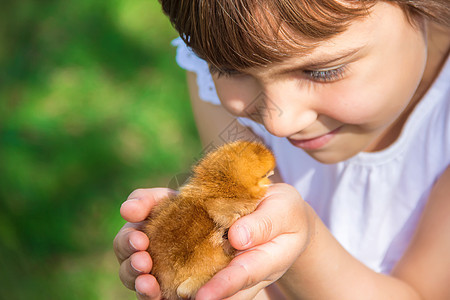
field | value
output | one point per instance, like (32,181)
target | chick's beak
(265,181)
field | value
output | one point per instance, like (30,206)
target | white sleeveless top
(371,202)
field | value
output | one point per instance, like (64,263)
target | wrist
(291,282)
(309,228)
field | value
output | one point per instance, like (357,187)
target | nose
(280,114)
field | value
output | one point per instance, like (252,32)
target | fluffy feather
(187,232)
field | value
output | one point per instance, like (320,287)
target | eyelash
(223,73)
(328,75)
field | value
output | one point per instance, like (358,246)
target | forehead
(361,36)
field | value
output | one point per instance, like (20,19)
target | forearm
(325,270)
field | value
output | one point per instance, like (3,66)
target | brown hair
(238,34)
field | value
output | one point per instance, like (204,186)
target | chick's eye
(326,75)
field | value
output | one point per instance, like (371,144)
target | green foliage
(92,106)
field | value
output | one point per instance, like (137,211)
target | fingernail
(133,247)
(134,268)
(129,201)
(174,192)
(139,292)
(243,234)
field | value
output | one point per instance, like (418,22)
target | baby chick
(188,232)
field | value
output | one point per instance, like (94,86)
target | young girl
(353,99)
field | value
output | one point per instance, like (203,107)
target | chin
(330,157)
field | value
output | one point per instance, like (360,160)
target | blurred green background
(92,106)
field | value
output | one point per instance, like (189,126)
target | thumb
(277,214)
(256,228)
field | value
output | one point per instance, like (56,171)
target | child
(353,99)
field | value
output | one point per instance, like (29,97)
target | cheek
(357,103)
(372,95)
(381,86)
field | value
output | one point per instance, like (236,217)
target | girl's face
(351,94)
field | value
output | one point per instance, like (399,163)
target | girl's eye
(223,72)
(326,75)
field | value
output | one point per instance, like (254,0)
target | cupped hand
(270,240)
(130,244)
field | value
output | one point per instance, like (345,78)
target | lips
(314,143)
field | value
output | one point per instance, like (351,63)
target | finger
(128,241)
(140,202)
(147,288)
(278,213)
(137,264)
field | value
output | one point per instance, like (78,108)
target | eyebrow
(321,62)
